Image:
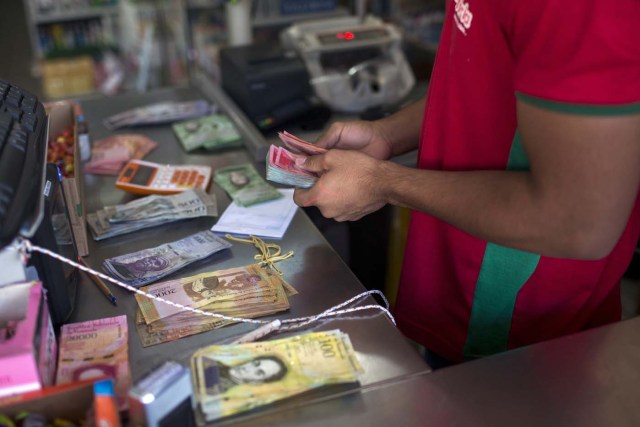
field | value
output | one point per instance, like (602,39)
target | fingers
(314,164)
(302,198)
(331,137)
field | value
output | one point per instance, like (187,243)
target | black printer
(269,85)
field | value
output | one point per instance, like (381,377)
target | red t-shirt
(463,297)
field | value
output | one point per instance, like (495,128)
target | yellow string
(265,257)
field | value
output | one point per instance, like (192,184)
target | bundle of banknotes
(160,112)
(96,348)
(149,265)
(250,291)
(212,132)
(109,155)
(281,163)
(150,211)
(230,379)
(244,185)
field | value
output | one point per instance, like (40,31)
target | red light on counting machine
(347,35)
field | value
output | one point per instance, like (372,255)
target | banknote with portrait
(230,379)
(96,348)
(244,185)
(149,265)
(263,297)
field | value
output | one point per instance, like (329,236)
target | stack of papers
(269,219)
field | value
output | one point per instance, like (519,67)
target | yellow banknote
(201,290)
(230,379)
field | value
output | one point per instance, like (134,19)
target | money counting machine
(355,64)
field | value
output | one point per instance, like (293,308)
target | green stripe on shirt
(503,272)
(581,109)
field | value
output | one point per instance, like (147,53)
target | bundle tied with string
(265,257)
(269,254)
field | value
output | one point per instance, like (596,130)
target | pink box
(28,349)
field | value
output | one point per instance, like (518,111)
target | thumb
(311,163)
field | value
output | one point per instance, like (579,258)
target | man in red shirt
(525,199)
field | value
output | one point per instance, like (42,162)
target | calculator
(141,177)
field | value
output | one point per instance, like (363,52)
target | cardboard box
(69,401)
(68,77)
(28,349)
(61,117)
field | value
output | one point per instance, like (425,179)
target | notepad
(269,219)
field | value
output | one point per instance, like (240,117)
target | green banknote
(211,132)
(230,379)
(244,185)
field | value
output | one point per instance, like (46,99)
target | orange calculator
(140,177)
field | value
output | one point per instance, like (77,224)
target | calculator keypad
(181,178)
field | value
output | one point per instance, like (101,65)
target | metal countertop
(316,271)
(590,378)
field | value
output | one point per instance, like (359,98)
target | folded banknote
(149,265)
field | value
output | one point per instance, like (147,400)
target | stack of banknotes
(281,163)
(149,265)
(150,211)
(96,348)
(250,291)
(230,379)
(244,185)
(109,155)
(213,132)
(160,112)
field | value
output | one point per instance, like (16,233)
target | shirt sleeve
(576,52)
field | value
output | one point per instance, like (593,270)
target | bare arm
(574,202)
(403,128)
(381,139)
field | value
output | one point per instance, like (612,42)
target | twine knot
(270,253)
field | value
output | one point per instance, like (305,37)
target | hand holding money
(281,163)
(299,144)
(351,184)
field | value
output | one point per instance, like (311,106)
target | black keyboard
(23,142)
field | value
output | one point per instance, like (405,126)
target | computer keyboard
(23,142)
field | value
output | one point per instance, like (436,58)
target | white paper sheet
(269,219)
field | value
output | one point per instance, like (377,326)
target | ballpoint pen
(101,285)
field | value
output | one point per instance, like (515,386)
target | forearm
(402,129)
(502,207)
(573,202)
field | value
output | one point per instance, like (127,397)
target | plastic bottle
(84,143)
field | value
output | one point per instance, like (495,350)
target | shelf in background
(269,21)
(75,15)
